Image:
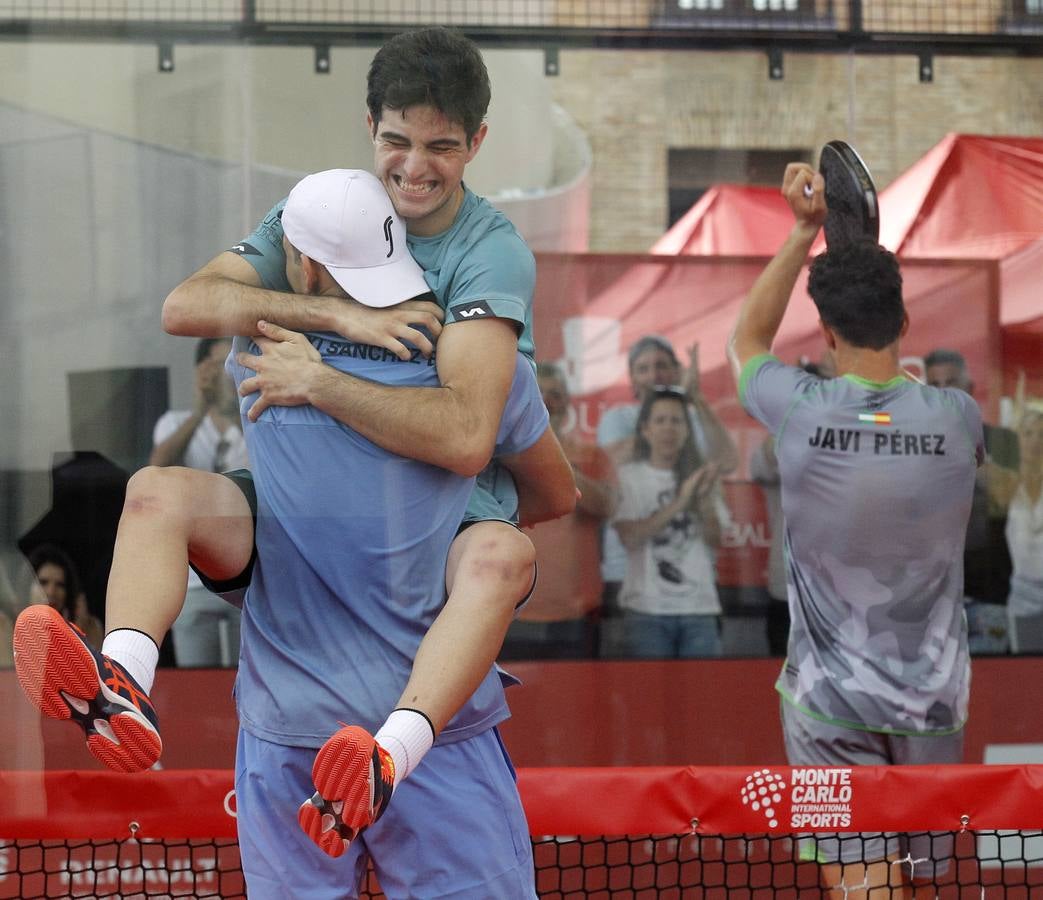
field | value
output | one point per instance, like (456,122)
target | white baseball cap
(343,219)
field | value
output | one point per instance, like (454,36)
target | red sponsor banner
(193,803)
(135,810)
(781,799)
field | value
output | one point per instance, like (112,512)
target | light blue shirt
(352,543)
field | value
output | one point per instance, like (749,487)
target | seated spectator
(652,361)
(1021,494)
(209,437)
(986,560)
(57,583)
(560,620)
(669,519)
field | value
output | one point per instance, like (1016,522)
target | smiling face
(420,156)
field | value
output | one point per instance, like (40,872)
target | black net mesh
(966,17)
(980,865)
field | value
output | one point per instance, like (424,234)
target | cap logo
(343,219)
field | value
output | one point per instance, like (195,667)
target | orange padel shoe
(65,678)
(354,777)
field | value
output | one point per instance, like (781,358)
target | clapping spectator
(669,519)
(651,362)
(209,436)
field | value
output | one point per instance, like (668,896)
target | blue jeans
(649,636)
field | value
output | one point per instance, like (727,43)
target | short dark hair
(857,288)
(43,554)
(942,357)
(651,342)
(430,67)
(204,345)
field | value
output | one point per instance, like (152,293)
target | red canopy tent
(969,197)
(982,197)
(730,220)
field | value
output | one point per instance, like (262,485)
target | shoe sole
(342,804)
(60,678)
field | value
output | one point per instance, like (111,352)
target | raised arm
(763,308)
(719,444)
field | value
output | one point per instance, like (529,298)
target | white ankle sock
(407,735)
(136,652)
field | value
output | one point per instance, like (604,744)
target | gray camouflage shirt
(877,481)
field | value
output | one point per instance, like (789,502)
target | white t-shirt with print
(672,573)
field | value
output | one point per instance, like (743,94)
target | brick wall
(635,105)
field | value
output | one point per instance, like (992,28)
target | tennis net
(606,833)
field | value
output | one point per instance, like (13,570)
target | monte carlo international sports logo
(816,797)
(763,792)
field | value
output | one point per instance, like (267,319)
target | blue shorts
(454,829)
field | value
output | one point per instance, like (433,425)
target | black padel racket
(854,213)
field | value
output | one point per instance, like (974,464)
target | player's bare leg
(172,515)
(490,571)
(168,514)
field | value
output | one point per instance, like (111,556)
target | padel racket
(854,213)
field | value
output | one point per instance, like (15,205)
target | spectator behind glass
(764,470)
(652,361)
(209,437)
(1019,493)
(669,518)
(560,620)
(986,560)
(57,583)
